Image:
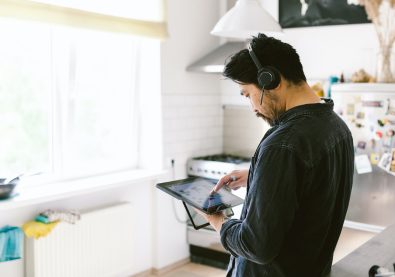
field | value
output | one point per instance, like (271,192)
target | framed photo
(392,164)
(350,109)
(306,13)
(391,107)
(385,161)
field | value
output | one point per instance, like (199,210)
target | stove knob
(191,168)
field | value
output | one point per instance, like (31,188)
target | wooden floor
(349,240)
(194,270)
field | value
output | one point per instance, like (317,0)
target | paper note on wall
(362,164)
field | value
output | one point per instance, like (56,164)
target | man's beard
(272,108)
(266,119)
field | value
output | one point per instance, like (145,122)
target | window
(25,98)
(68,100)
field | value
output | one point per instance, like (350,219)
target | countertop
(380,250)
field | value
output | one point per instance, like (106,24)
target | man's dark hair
(270,52)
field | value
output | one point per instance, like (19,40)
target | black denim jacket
(298,191)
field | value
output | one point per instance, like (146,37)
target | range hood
(214,61)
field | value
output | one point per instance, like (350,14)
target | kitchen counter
(380,250)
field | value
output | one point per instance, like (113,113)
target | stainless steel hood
(214,61)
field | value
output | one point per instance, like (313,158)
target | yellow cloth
(38,229)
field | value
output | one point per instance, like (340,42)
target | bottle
(341,78)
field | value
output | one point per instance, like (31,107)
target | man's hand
(215,220)
(241,180)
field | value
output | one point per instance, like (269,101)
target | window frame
(57,135)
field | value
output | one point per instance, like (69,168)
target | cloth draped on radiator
(70,216)
(11,243)
(42,219)
(38,229)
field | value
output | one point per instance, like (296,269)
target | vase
(385,65)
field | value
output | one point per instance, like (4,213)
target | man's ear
(282,80)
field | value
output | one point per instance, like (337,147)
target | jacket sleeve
(271,207)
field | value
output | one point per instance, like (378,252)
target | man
(300,178)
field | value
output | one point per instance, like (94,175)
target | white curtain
(137,17)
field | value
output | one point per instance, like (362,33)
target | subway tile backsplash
(197,125)
(192,124)
(242,131)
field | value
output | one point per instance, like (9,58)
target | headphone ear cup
(277,77)
(265,77)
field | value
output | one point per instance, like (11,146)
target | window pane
(102,125)
(25,102)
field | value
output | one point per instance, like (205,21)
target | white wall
(242,131)
(191,101)
(325,51)
(330,50)
(191,109)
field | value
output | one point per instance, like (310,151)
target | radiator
(98,245)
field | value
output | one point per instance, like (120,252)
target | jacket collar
(305,109)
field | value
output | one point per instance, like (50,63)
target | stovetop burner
(224,158)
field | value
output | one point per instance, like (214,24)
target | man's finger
(224,180)
(234,184)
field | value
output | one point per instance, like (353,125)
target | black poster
(306,13)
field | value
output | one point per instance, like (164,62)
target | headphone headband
(268,76)
(254,57)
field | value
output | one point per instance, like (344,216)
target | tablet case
(191,218)
(203,225)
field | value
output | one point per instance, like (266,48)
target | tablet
(195,191)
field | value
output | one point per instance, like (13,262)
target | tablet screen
(196,191)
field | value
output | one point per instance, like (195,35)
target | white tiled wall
(192,126)
(242,131)
(191,109)
(191,105)
(230,94)
(191,123)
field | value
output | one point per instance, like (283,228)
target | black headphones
(268,76)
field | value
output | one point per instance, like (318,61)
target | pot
(6,190)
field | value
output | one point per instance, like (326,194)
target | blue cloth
(11,243)
(42,219)
(331,81)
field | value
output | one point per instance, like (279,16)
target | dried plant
(382,14)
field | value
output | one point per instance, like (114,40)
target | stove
(205,244)
(214,167)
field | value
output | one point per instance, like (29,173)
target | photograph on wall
(360,115)
(350,109)
(391,107)
(306,13)
(385,161)
(392,164)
